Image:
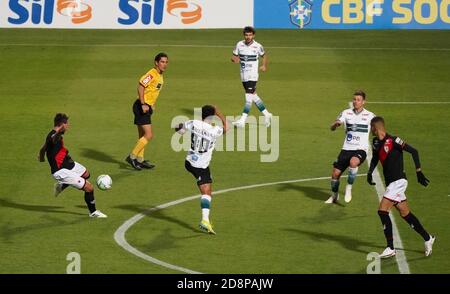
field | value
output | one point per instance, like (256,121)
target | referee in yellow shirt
(149,87)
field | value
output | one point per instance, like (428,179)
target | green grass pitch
(285,228)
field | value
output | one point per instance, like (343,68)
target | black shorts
(141,118)
(203,175)
(249,86)
(343,160)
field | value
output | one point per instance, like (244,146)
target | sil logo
(300,12)
(189,12)
(77,10)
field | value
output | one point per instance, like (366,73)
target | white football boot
(333,198)
(240,123)
(348,193)
(388,252)
(98,214)
(268,119)
(429,245)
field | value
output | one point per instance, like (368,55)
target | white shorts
(396,190)
(72,176)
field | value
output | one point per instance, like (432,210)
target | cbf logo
(300,12)
(42,11)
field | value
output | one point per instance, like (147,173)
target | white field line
(221,46)
(119,235)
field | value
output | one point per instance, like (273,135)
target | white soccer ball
(104,182)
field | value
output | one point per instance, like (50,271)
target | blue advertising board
(352,14)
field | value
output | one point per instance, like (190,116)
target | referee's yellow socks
(139,148)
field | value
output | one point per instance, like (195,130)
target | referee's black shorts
(141,118)
(202,175)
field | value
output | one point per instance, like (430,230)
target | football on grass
(104,182)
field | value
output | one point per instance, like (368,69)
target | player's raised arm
(41,156)
(180,129)
(223,119)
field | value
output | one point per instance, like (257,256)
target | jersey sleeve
(236,50)
(146,79)
(341,117)
(189,125)
(219,131)
(399,143)
(261,51)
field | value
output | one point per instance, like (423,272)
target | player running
(388,150)
(203,140)
(247,53)
(149,87)
(64,170)
(356,121)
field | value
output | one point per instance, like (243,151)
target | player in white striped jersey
(203,140)
(247,54)
(356,121)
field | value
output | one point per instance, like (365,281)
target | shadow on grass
(315,193)
(187,111)
(158,214)
(349,243)
(104,157)
(8,230)
(38,208)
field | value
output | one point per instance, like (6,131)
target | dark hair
(377,119)
(249,29)
(208,110)
(360,93)
(160,55)
(60,118)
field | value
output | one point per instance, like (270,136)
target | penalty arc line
(400,257)
(119,234)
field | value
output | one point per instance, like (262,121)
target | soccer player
(64,170)
(203,140)
(247,53)
(388,150)
(149,87)
(356,121)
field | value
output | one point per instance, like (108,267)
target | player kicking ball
(356,121)
(64,170)
(203,140)
(388,150)
(247,54)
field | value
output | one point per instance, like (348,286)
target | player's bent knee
(88,187)
(335,174)
(86,175)
(354,162)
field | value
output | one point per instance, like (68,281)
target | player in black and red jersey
(64,170)
(388,150)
